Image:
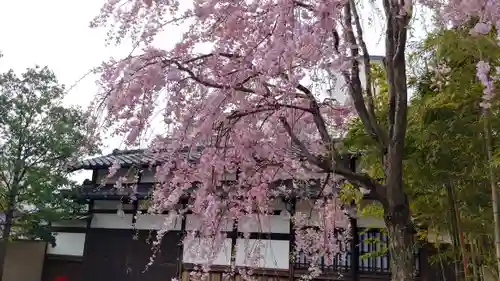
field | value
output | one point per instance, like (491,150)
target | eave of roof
(144,190)
(126,158)
(136,157)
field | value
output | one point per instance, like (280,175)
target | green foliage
(445,143)
(349,194)
(38,136)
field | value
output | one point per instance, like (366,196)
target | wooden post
(234,240)
(135,212)
(354,249)
(291,256)
(182,234)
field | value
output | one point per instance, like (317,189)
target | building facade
(113,239)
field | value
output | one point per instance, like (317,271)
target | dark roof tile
(123,157)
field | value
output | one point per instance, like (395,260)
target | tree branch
(258,109)
(302,147)
(368,76)
(326,165)
(355,89)
(318,119)
(396,37)
(204,82)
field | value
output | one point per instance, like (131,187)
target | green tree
(38,138)
(446,167)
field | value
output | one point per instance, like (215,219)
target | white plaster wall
(267,253)
(278,205)
(265,224)
(193,223)
(191,252)
(312,216)
(71,244)
(111,205)
(70,223)
(306,207)
(112,221)
(156,222)
(370,222)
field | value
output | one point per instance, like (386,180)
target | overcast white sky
(56,33)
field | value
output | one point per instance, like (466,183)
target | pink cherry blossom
(246,102)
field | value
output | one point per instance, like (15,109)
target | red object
(62,278)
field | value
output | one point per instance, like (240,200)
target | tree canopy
(445,157)
(39,136)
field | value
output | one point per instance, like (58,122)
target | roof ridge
(117,151)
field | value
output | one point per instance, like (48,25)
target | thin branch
(355,178)
(354,83)
(368,75)
(295,140)
(318,119)
(204,82)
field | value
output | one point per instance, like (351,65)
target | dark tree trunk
(7,228)
(401,241)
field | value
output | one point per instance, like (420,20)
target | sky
(56,33)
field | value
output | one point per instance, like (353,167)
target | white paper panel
(266,253)
(112,221)
(191,253)
(193,223)
(156,222)
(71,244)
(264,224)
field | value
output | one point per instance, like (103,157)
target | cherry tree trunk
(401,241)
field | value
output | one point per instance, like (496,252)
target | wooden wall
(124,255)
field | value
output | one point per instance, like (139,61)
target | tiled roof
(126,158)
(136,157)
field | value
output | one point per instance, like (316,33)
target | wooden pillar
(234,239)
(135,212)
(182,234)
(353,166)
(354,249)
(291,257)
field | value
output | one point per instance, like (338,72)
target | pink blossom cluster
(458,12)
(487,79)
(244,101)
(241,102)
(487,14)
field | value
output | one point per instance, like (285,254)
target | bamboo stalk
(493,185)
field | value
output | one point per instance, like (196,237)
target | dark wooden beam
(94,177)
(64,258)
(66,229)
(181,246)
(354,249)
(135,211)
(292,255)
(234,239)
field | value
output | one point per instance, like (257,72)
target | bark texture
(401,242)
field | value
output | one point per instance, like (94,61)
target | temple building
(112,239)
